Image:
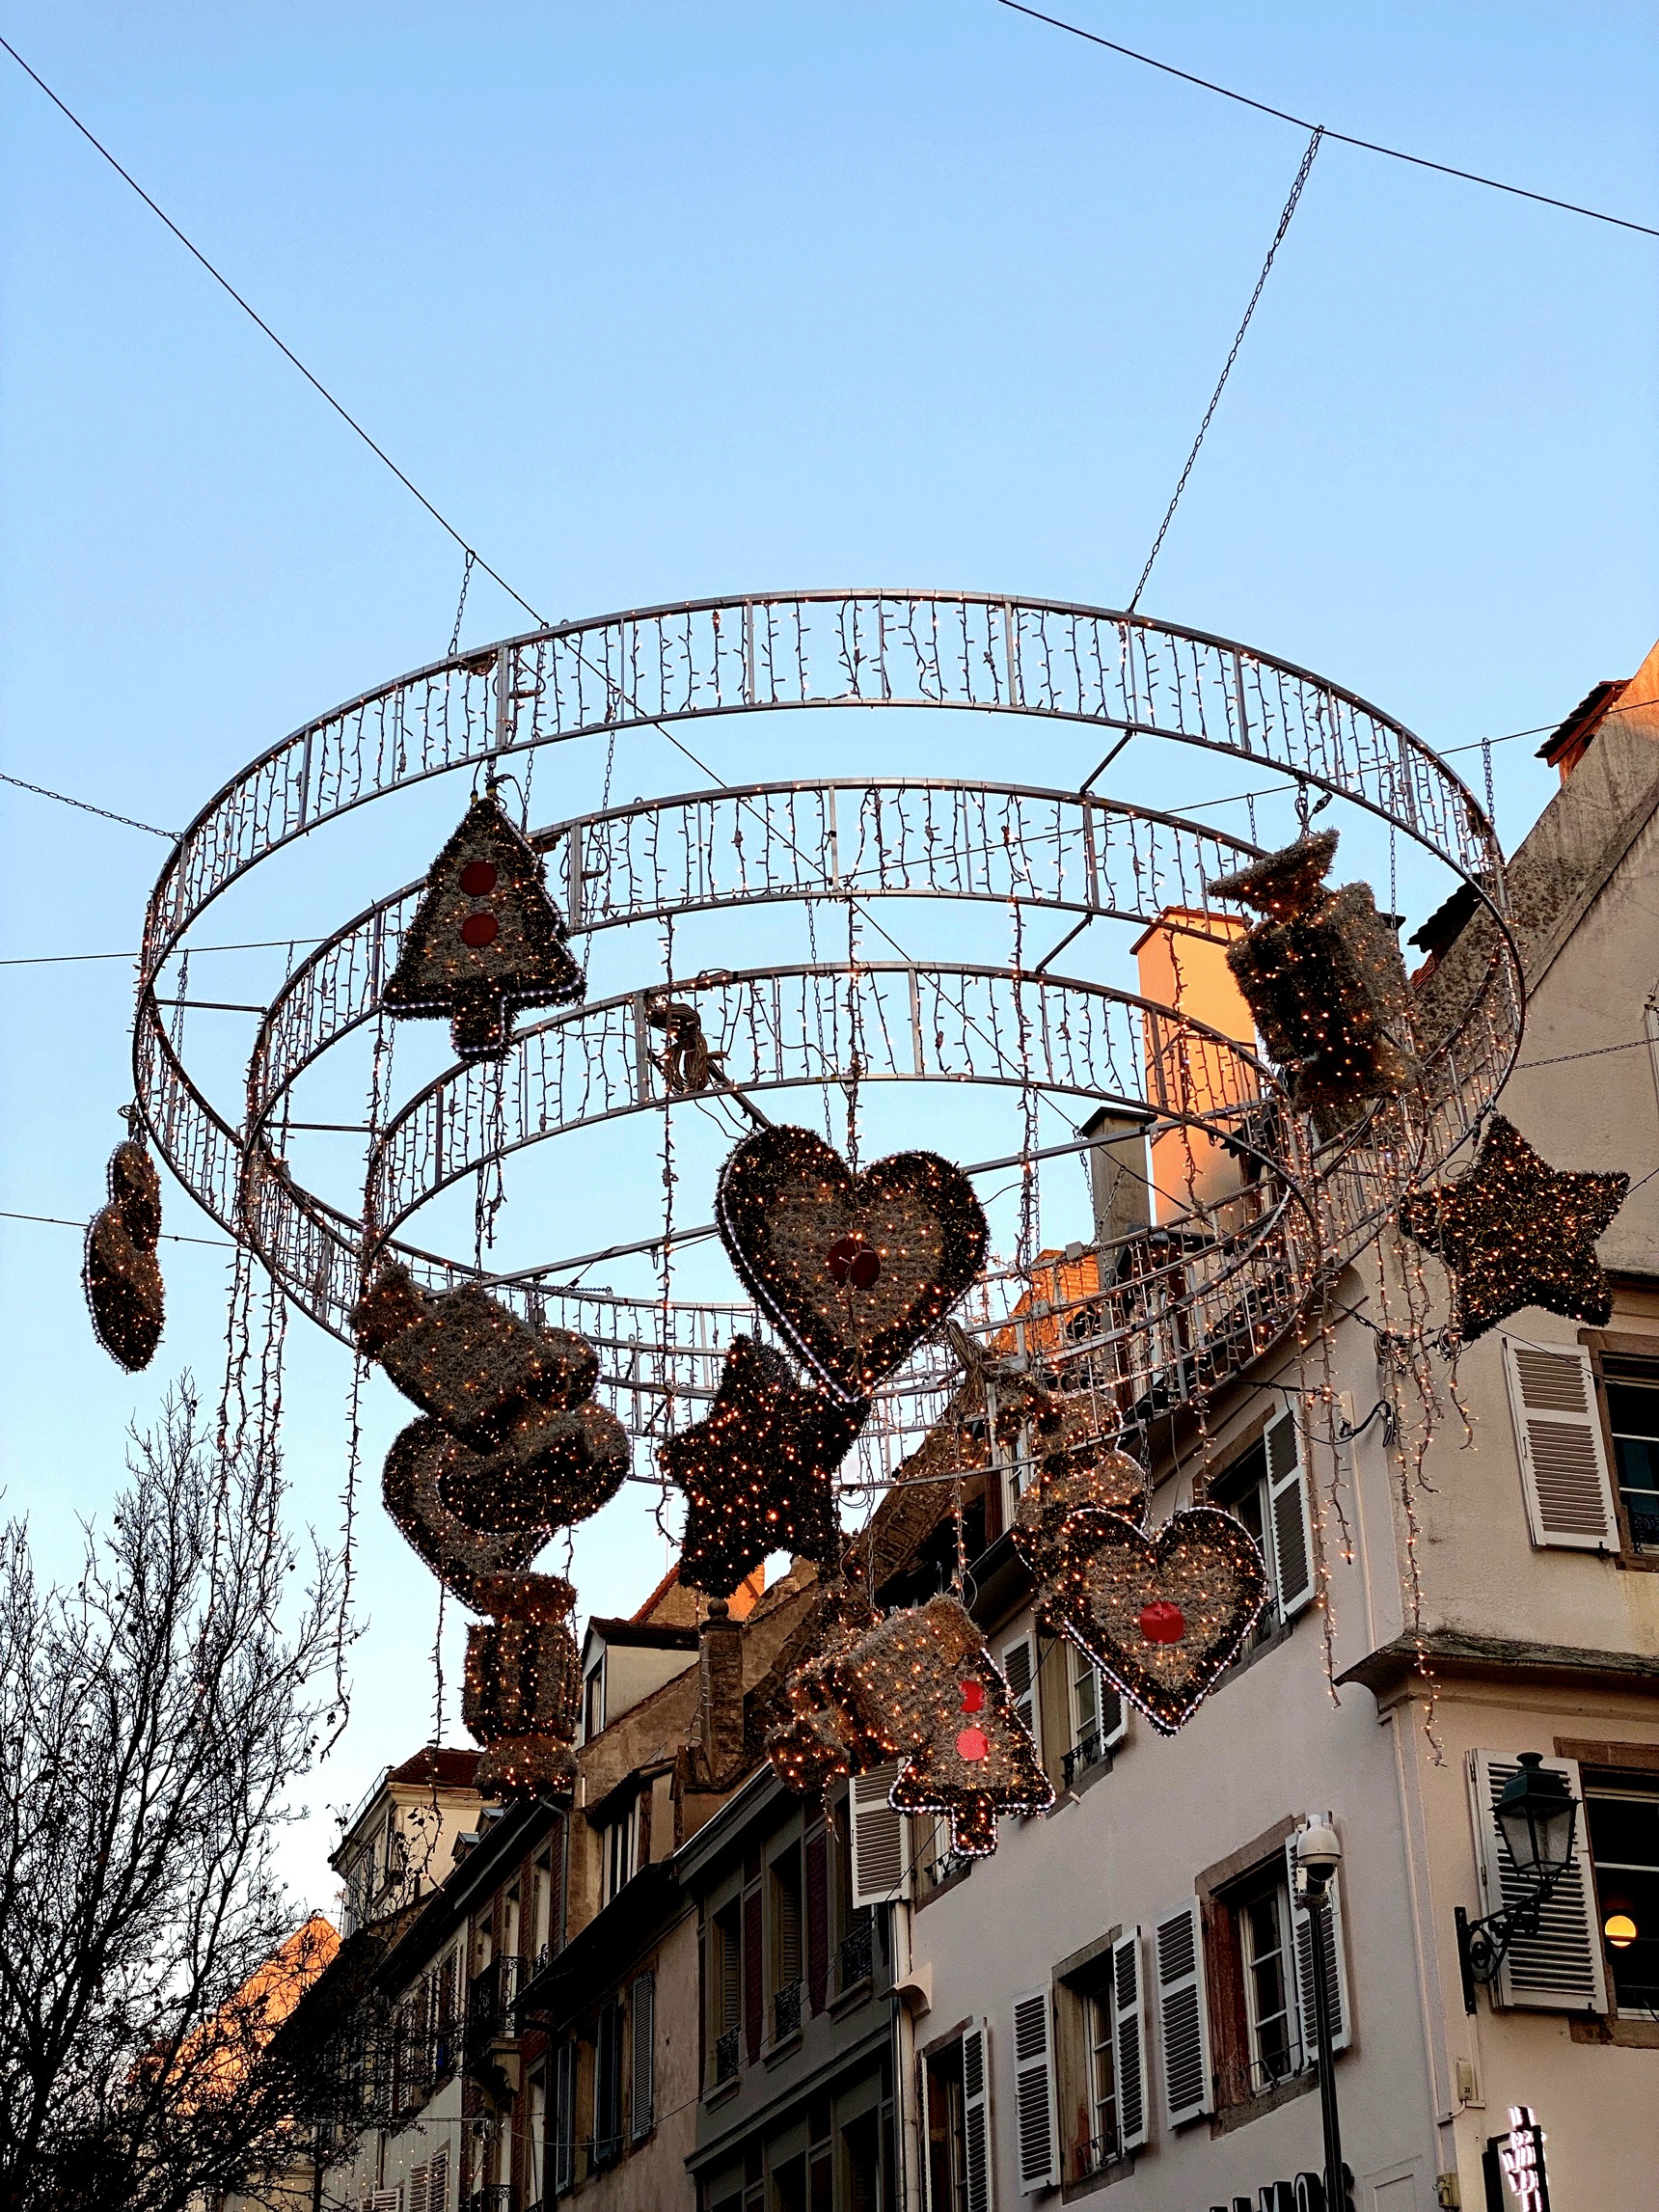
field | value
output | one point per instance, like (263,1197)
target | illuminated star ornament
(1515,1232)
(757,1471)
(485,939)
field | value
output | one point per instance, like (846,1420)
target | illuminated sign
(1522,2161)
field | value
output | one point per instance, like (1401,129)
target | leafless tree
(154,1717)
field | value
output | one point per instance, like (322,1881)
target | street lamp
(1538,1818)
(1318,1855)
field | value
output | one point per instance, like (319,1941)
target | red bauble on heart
(1162,1615)
(853,1269)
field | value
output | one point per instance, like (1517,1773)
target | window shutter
(607,2083)
(1336,1976)
(1564,1462)
(1020,1665)
(1292,1561)
(1183,2029)
(817,1921)
(1114,1713)
(418,2181)
(1558,1970)
(753,2006)
(880,1861)
(1129,2015)
(1034,2114)
(388,2199)
(564,2121)
(976,2115)
(438,2182)
(643,2104)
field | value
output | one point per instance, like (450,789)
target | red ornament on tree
(1163,1622)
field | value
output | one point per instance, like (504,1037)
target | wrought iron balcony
(786,2012)
(491,2196)
(856,1961)
(728,2055)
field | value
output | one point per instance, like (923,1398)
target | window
(535,2138)
(725,1993)
(1099,2032)
(1099,1714)
(786,1917)
(593,1700)
(618,1852)
(1260,1979)
(1262,1917)
(607,2085)
(564,2119)
(1633,1419)
(1266,1487)
(541,1909)
(946,2119)
(1621,1813)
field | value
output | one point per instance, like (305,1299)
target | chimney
(1182,964)
(1118,1173)
(720,1660)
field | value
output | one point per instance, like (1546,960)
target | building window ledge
(951,1881)
(1627,2035)
(721,2092)
(784,2048)
(850,1999)
(1102,2177)
(1233,2117)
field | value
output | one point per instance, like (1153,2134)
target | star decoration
(756,1472)
(1515,1232)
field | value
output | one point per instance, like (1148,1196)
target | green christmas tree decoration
(487,939)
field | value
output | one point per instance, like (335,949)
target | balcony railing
(856,1961)
(493,2197)
(492,1995)
(786,2012)
(728,2055)
(1089,1750)
(1096,2155)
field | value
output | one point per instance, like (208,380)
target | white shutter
(642,2023)
(438,2186)
(418,2190)
(1302,1929)
(881,1858)
(1114,1712)
(1129,2017)
(1020,1665)
(1558,1970)
(1035,2120)
(1293,1536)
(386,2200)
(1183,2026)
(1564,1461)
(976,2115)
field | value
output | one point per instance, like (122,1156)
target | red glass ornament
(479,930)
(1161,1623)
(850,1260)
(972,1696)
(973,1744)
(477,878)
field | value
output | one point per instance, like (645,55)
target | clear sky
(662,300)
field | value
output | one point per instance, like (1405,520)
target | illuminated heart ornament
(1162,1615)
(853,1269)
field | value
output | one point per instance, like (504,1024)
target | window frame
(1620,1348)
(1613,1784)
(618,1842)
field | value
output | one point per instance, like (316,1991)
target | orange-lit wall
(1191,973)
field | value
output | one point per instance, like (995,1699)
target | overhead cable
(86,807)
(1342,137)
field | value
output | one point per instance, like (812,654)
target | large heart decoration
(853,1269)
(1162,1615)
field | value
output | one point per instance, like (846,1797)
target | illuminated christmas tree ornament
(1515,1232)
(757,1471)
(1323,975)
(119,1271)
(853,1269)
(487,939)
(1162,1615)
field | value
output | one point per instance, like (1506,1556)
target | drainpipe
(907,2088)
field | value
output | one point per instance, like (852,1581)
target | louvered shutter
(607,2082)
(438,2183)
(1129,2017)
(1563,1460)
(1114,1713)
(1035,2118)
(1020,1665)
(976,2117)
(1292,1561)
(817,1921)
(880,1861)
(642,2026)
(753,2004)
(1335,1967)
(564,2121)
(388,2199)
(418,2189)
(1559,1969)
(1183,2026)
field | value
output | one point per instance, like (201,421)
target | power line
(1342,137)
(316,382)
(1227,366)
(60,1221)
(85,804)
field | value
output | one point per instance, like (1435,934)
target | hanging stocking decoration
(1323,976)
(119,1271)
(487,939)
(854,1269)
(1161,1615)
(1515,1232)
(757,1471)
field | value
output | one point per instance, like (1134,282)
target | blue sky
(658,301)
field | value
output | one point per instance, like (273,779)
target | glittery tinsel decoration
(758,1470)
(522,1690)
(1515,1232)
(1323,975)
(853,1269)
(121,1273)
(1109,1483)
(487,939)
(1164,1615)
